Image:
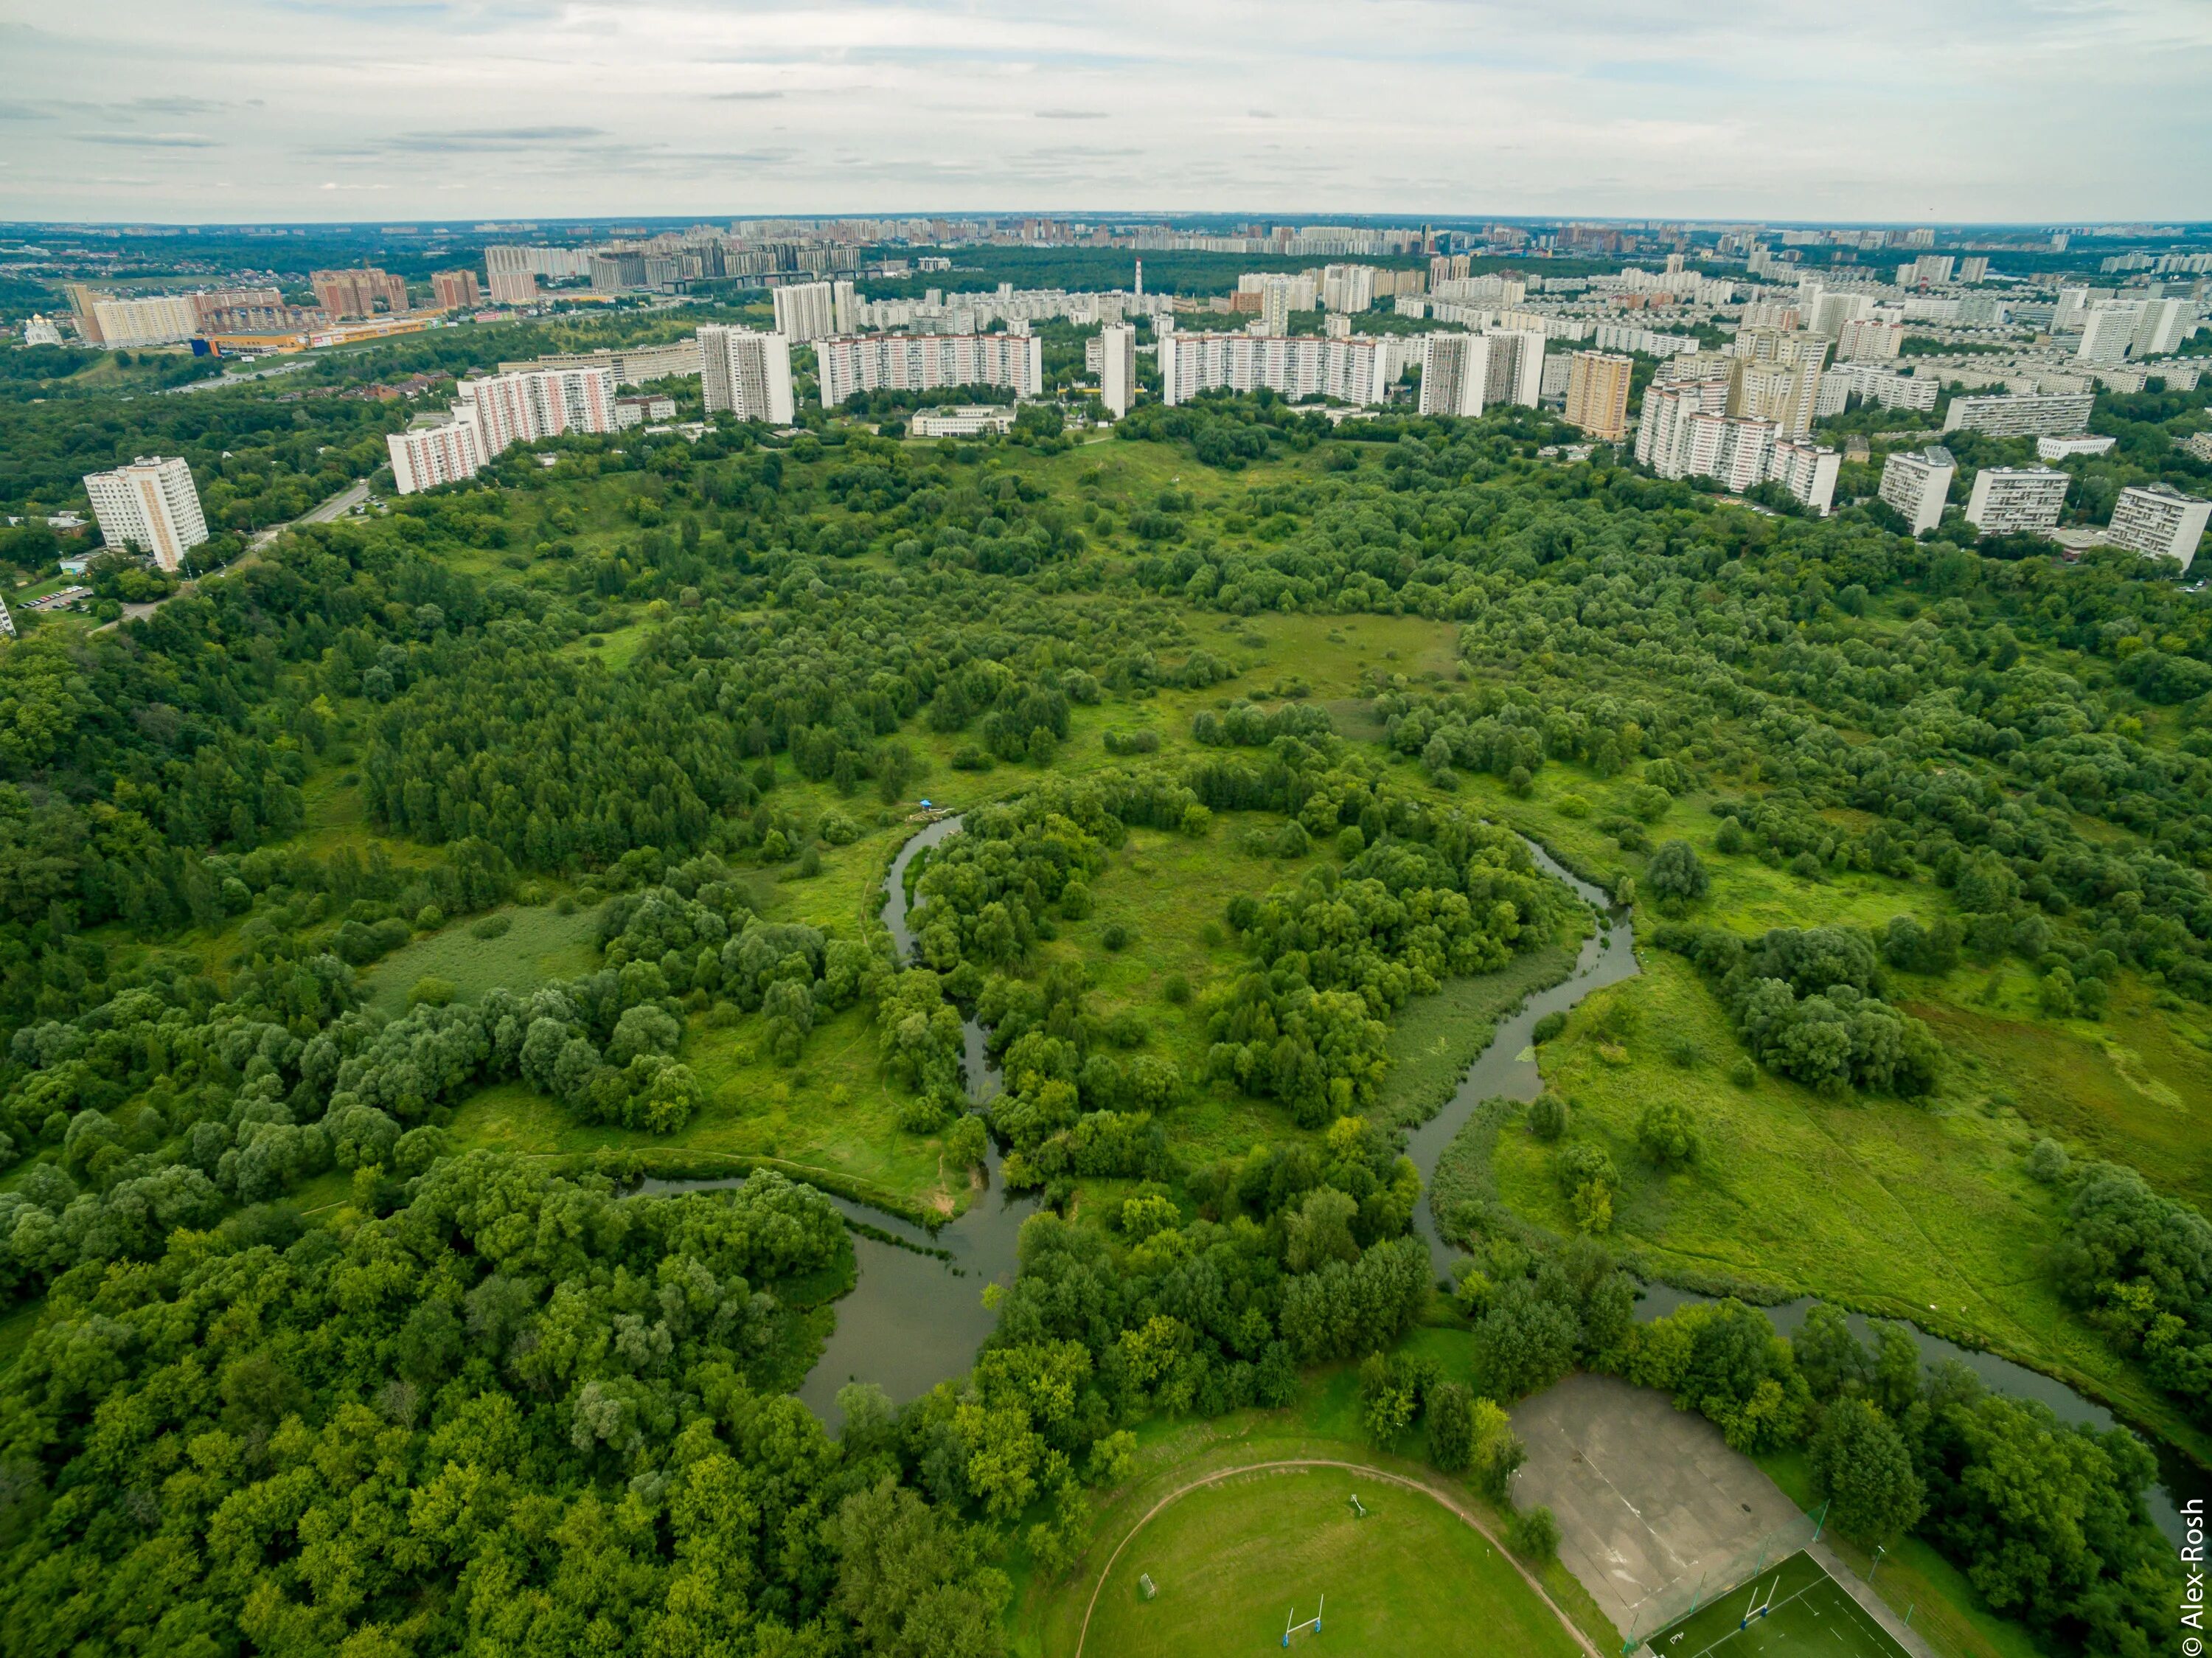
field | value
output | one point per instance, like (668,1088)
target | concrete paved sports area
(1646,1496)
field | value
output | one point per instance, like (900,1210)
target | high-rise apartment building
(1916,483)
(2008,500)
(158,319)
(456,290)
(746,373)
(1663,428)
(805,312)
(1597,394)
(1117,368)
(511,276)
(2108,331)
(1515,373)
(2158,521)
(1454,371)
(360,292)
(921,362)
(1355,370)
(1784,393)
(1975,268)
(435,450)
(1869,340)
(1808,471)
(631,365)
(151,504)
(844,307)
(2021,414)
(524,407)
(2164,324)
(1827,312)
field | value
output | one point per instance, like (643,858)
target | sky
(359,111)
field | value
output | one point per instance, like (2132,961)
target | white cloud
(1892,109)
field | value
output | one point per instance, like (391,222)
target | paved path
(1366,1470)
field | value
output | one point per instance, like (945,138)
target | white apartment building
(1515,373)
(1886,387)
(2025,414)
(1784,393)
(1117,368)
(1916,483)
(746,373)
(2108,331)
(2166,323)
(805,312)
(844,307)
(1808,471)
(2158,521)
(1869,340)
(1736,452)
(151,504)
(970,420)
(631,365)
(1663,428)
(161,319)
(435,450)
(1779,346)
(1453,370)
(1347,287)
(1829,313)
(1351,370)
(920,361)
(525,406)
(2010,499)
(2058,449)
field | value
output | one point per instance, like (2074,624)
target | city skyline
(251,109)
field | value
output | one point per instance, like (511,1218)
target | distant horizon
(489,223)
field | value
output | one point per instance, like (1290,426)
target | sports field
(1809,1615)
(1230,1561)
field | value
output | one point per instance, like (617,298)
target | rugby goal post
(1292,1626)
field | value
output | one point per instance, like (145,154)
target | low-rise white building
(970,420)
(151,504)
(2058,449)
(1916,483)
(2009,500)
(2158,521)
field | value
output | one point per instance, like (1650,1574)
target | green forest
(377,917)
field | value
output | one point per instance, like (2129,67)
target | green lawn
(540,944)
(1801,1612)
(1232,1560)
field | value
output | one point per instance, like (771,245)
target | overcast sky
(1897,110)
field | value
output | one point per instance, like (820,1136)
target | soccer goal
(1292,1626)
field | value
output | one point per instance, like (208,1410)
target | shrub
(2047,1162)
(1675,873)
(1667,1133)
(493,926)
(1549,1027)
(1115,936)
(431,991)
(1743,1073)
(1533,1534)
(1176,988)
(1571,805)
(1547,1116)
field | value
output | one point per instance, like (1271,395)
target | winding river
(915,1318)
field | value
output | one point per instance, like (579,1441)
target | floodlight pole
(1879,1551)
(1820,1520)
